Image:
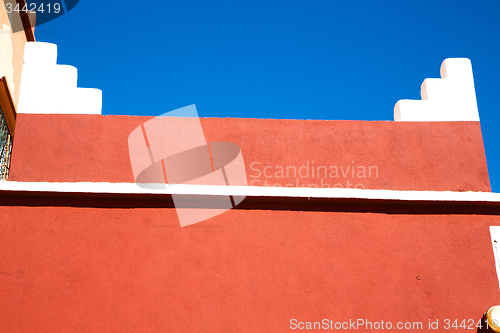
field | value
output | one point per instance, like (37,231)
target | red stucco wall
(106,264)
(407,156)
(67,269)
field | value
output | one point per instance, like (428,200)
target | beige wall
(11,49)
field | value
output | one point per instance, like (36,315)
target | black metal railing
(5,147)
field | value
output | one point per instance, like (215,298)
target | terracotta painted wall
(110,265)
(402,155)
(69,269)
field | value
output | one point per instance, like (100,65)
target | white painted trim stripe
(248,191)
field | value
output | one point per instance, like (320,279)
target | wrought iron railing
(5,147)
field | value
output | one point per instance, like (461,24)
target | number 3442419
(468,324)
(33,8)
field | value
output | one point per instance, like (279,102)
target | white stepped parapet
(47,87)
(451,98)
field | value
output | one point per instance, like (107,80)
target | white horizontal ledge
(34,188)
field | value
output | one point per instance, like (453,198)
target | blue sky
(279,59)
